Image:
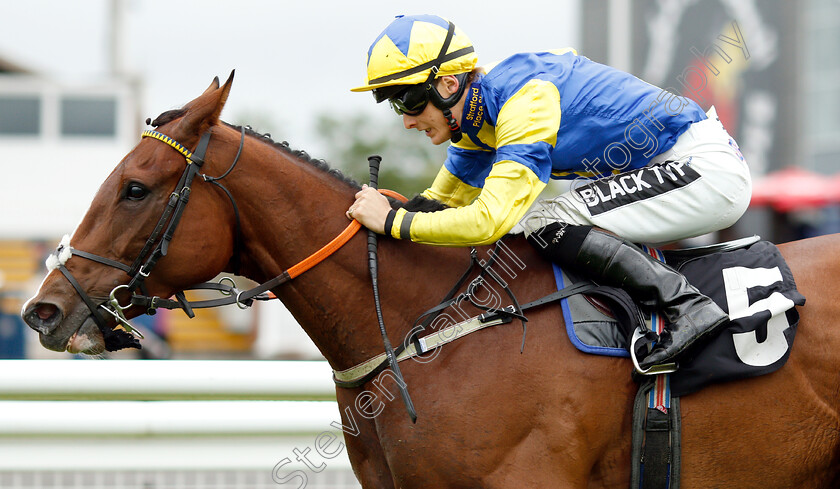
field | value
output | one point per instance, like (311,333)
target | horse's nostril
(45,311)
(43,317)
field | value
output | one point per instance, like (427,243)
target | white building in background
(58,142)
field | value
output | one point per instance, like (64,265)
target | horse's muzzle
(43,317)
(75,332)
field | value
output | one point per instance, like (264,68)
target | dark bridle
(155,248)
(157,245)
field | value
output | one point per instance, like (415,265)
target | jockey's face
(431,119)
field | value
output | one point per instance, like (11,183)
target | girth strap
(656,447)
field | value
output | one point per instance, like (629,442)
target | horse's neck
(290,209)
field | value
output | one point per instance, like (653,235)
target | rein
(244,299)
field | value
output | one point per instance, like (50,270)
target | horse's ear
(204,111)
(214,85)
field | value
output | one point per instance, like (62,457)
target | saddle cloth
(753,285)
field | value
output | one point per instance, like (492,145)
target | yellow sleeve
(509,191)
(450,190)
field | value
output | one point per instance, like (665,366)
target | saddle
(750,280)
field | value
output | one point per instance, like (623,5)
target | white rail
(167,418)
(160,419)
(165,435)
(164,380)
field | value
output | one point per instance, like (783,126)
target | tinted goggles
(411,101)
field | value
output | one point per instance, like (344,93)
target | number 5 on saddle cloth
(751,282)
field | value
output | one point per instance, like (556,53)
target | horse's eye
(135,191)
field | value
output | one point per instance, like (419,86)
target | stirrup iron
(662,368)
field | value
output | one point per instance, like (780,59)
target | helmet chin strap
(445,104)
(454,128)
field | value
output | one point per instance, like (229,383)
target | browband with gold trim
(171,142)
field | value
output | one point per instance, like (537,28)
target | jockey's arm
(451,190)
(508,193)
(525,135)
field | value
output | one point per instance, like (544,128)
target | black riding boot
(613,261)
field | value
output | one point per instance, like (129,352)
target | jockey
(650,166)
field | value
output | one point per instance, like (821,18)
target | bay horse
(490,415)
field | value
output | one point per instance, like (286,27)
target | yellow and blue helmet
(416,49)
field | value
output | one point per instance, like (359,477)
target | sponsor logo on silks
(736,148)
(475,107)
(633,186)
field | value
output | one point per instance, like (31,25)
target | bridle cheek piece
(155,248)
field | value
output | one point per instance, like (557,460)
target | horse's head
(122,244)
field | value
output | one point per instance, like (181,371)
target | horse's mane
(418,203)
(300,154)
